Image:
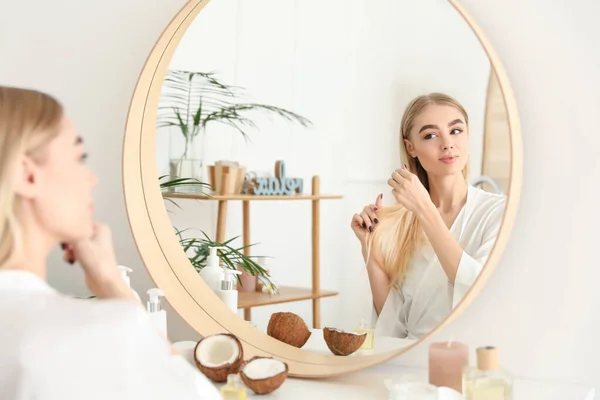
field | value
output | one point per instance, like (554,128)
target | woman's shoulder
(40,313)
(487,205)
(124,313)
(485,199)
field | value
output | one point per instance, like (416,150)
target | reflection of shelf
(249,197)
(286,295)
(247,300)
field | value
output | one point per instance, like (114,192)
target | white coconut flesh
(263,368)
(347,333)
(217,351)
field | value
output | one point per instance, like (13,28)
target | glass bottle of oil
(369,342)
(233,389)
(487,381)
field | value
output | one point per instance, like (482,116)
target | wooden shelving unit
(248,300)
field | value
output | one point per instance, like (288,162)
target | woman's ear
(409,148)
(26,178)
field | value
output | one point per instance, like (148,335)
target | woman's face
(62,200)
(439,139)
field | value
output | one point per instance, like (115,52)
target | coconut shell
(342,343)
(219,374)
(267,385)
(289,328)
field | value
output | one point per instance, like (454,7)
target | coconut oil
(234,389)
(369,342)
(487,381)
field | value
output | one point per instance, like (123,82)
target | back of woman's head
(28,121)
(399,232)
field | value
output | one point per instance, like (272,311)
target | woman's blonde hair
(399,231)
(28,121)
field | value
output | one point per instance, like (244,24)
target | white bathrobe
(56,347)
(426,296)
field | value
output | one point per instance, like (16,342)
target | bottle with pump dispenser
(369,342)
(228,294)
(154,307)
(487,381)
(124,271)
(233,389)
(212,273)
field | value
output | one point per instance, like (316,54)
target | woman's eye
(429,136)
(456,131)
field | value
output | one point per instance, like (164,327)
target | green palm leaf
(192,100)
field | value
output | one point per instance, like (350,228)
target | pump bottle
(124,271)
(212,273)
(228,294)
(158,316)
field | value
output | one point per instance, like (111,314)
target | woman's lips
(448,159)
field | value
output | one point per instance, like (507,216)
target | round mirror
(331,182)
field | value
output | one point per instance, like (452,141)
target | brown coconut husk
(342,343)
(289,328)
(266,385)
(219,374)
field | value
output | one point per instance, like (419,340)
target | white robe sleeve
(106,350)
(470,265)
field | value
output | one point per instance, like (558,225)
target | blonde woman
(424,253)
(54,346)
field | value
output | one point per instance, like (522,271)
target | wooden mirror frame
(168,265)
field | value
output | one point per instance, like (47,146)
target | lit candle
(446,363)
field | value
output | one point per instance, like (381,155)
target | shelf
(286,295)
(249,197)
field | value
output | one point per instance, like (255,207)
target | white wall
(541,305)
(351,68)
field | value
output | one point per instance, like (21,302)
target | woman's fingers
(404,173)
(68,253)
(368,222)
(378,201)
(399,176)
(370,211)
(357,220)
(393,183)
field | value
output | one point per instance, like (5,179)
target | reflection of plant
(231,257)
(193,100)
(173,183)
(170,185)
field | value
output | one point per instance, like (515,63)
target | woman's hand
(362,223)
(408,190)
(97,259)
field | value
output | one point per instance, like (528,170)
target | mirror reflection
(336,173)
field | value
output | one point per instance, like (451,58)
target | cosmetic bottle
(262,261)
(124,271)
(228,294)
(233,389)
(370,339)
(487,381)
(212,273)
(158,316)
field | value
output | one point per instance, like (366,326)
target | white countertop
(369,384)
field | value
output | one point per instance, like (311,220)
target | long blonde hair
(28,121)
(399,231)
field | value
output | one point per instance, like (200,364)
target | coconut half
(264,374)
(289,328)
(218,356)
(343,343)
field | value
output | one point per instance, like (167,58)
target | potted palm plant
(231,257)
(192,101)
